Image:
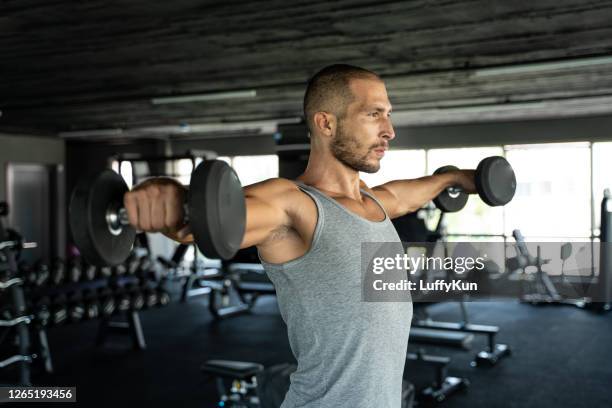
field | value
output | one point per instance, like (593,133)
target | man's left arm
(400,197)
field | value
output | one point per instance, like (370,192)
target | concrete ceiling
(93,68)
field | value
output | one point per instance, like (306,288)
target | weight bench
(443,385)
(241,375)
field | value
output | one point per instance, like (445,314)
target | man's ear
(325,123)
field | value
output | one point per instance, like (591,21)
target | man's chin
(373,168)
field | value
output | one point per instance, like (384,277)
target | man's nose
(388,131)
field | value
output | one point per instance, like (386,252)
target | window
(183,169)
(253,169)
(553,195)
(125,171)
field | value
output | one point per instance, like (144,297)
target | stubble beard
(344,147)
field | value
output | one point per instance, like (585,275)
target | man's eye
(375,114)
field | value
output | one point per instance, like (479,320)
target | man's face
(363,135)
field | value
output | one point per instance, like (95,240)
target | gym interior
(159,89)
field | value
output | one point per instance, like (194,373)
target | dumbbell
(163,297)
(89,272)
(132,264)
(58,272)
(495,182)
(107,302)
(90,304)
(105,272)
(42,314)
(42,274)
(119,270)
(59,311)
(122,300)
(76,308)
(145,270)
(137,299)
(150,297)
(75,270)
(215,210)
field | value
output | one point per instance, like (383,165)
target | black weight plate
(495,181)
(87,212)
(217,209)
(446,201)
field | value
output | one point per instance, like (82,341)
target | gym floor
(561,356)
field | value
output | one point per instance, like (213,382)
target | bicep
(389,199)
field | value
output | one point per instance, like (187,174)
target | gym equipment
(12,292)
(150,298)
(92,307)
(76,308)
(443,385)
(131,326)
(89,273)
(123,301)
(42,274)
(495,182)
(244,384)
(544,290)
(243,379)
(74,270)
(604,280)
(137,300)
(215,210)
(107,302)
(119,270)
(452,199)
(58,272)
(163,297)
(59,312)
(42,315)
(105,272)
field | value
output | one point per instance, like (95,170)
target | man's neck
(329,175)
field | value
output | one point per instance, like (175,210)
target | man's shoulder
(277,185)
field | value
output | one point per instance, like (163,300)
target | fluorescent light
(260,127)
(91,133)
(543,66)
(216,96)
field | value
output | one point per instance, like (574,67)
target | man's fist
(156,205)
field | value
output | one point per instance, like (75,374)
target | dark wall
(28,149)
(37,190)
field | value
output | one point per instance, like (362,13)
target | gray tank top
(350,353)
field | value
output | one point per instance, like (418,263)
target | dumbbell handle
(117,218)
(454,191)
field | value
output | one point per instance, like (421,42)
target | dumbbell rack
(55,300)
(19,320)
(108,324)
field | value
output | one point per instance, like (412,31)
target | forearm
(415,193)
(406,196)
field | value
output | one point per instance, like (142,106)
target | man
(308,232)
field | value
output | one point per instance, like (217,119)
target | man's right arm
(154,206)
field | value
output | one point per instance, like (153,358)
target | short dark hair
(328,90)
